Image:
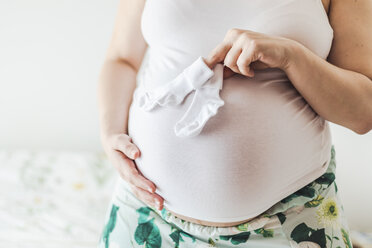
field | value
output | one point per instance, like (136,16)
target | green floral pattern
(147,232)
(110,226)
(236,238)
(310,217)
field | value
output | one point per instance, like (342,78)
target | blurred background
(55,181)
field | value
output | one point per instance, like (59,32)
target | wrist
(293,51)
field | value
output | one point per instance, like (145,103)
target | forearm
(115,89)
(341,96)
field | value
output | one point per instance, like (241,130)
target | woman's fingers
(227,72)
(123,143)
(150,199)
(218,54)
(129,172)
(126,153)
(122,152)
(243,61)
(231,58)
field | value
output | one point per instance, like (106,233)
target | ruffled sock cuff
(173,92)
(207,84)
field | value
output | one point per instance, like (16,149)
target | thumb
(227,72)
(209,62)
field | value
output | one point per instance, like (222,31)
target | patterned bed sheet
(53,199)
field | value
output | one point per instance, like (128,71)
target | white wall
(51,52)
(354,174)
(50,56)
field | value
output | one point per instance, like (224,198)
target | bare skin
(339,89)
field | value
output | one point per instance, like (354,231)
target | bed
(53,199)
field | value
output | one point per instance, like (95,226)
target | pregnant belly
(264,143)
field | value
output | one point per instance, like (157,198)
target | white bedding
(53,199)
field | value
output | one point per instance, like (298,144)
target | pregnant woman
(225,141)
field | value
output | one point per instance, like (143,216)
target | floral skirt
(313,216)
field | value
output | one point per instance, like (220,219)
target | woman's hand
(121,151)
(243,50)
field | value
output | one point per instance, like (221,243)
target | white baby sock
(173,92)
(204,105)
(207,84)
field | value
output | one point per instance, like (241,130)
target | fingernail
(157,203)
(133,152)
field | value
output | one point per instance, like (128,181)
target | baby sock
(173,92)
(207,84)
(204,105)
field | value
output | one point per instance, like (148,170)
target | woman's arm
(123,60)
(339,90)
(115,90)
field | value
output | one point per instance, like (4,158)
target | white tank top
(262,144)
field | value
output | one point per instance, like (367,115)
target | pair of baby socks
(207,84)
